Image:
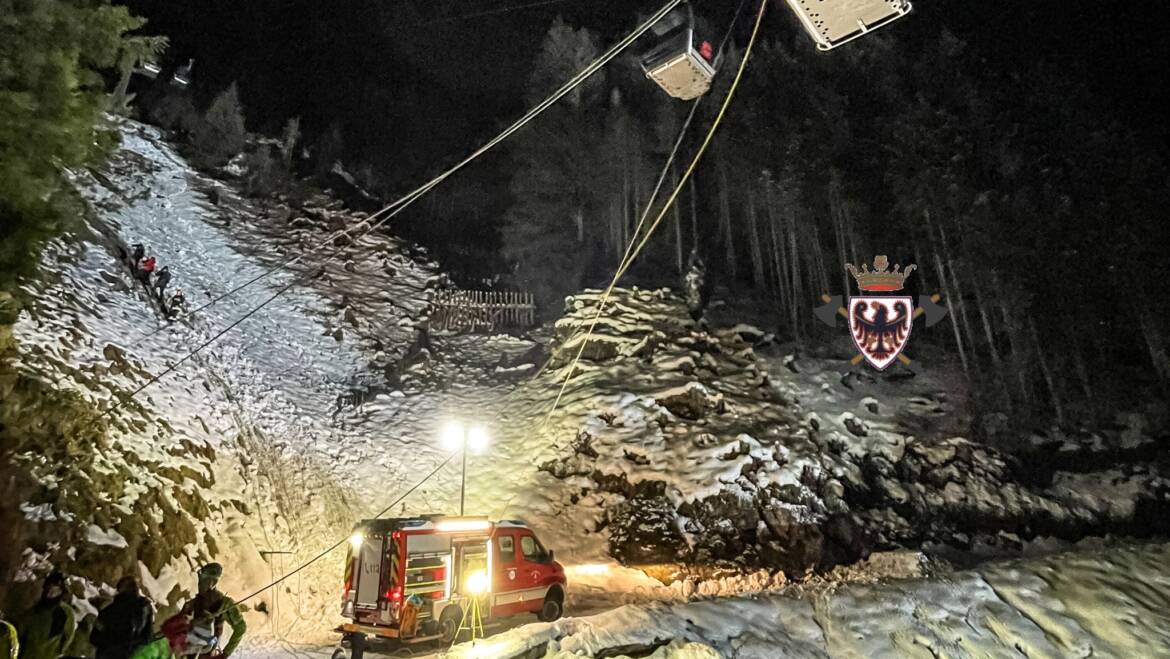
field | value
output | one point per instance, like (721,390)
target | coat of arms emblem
(880,324)
(880,319)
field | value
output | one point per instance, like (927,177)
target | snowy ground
(313,421)
(1110,604)
(304,430)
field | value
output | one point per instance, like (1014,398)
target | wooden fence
(482,311)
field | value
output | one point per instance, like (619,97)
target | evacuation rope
(666,169)
(410,198)
(404,202)
(658,220)
(401,204)
(343,540)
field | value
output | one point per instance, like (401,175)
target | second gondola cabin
(832,23)
(682,61)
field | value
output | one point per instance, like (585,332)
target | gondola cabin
(832,23)
(681,62)
(413,579)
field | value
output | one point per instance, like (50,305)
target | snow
(95,535)
(159,588)
(42,513)
(1070,605)
(288,436)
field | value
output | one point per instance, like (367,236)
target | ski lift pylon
(832,23)
(681,63)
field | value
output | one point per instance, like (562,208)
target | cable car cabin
(835,22)
(682,63)
(412,579)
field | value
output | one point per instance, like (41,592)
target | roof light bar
(456,525)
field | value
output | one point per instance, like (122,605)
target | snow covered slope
(1110,604)
(674,447)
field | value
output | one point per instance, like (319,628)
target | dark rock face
(720,467)
(692,403)
(642,530)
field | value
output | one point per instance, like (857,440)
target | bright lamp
(452,436)
(477,582)
(477,439)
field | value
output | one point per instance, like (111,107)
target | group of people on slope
(124,628)
(146,270)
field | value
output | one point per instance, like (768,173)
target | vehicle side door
(507,574)
(532,569)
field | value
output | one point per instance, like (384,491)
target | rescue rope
(401,204)
(344,540)
(623,267)
(408,199)
(666,169)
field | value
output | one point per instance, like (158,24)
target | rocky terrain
(729,450)
(712,458)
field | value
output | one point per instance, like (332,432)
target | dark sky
(457,78)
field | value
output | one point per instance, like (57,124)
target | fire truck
(411,580)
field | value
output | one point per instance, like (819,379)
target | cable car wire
(413,196)
(666,207)
(489,12)
(410,198)
(401,204)
(666,169)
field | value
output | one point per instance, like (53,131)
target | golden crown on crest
(880,279)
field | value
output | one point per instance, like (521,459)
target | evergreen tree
(220,134)
(547,231)
(51,100)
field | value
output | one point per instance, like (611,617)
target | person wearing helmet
(210,609)
(147,269)
(45,630)
(177,304)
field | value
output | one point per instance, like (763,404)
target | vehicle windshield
(533,550)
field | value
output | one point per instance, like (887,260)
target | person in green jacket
(213,608)
(9,640)
(46,629)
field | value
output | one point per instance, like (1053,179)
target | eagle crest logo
(880,325)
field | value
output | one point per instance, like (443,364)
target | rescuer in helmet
(212,608)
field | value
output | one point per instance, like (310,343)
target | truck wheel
(554,606)
(449,623)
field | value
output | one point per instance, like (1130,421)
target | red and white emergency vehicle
(441,563)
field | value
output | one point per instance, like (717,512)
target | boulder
(792,540)
(691,401)
(643,530)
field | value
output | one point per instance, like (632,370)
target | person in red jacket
(146,269)
(706,51)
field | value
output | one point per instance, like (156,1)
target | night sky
(454,79)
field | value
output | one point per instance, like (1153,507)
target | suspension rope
(401,204)
(666,169)
(658,220)
(410,198)
(487,12)
(326,552)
